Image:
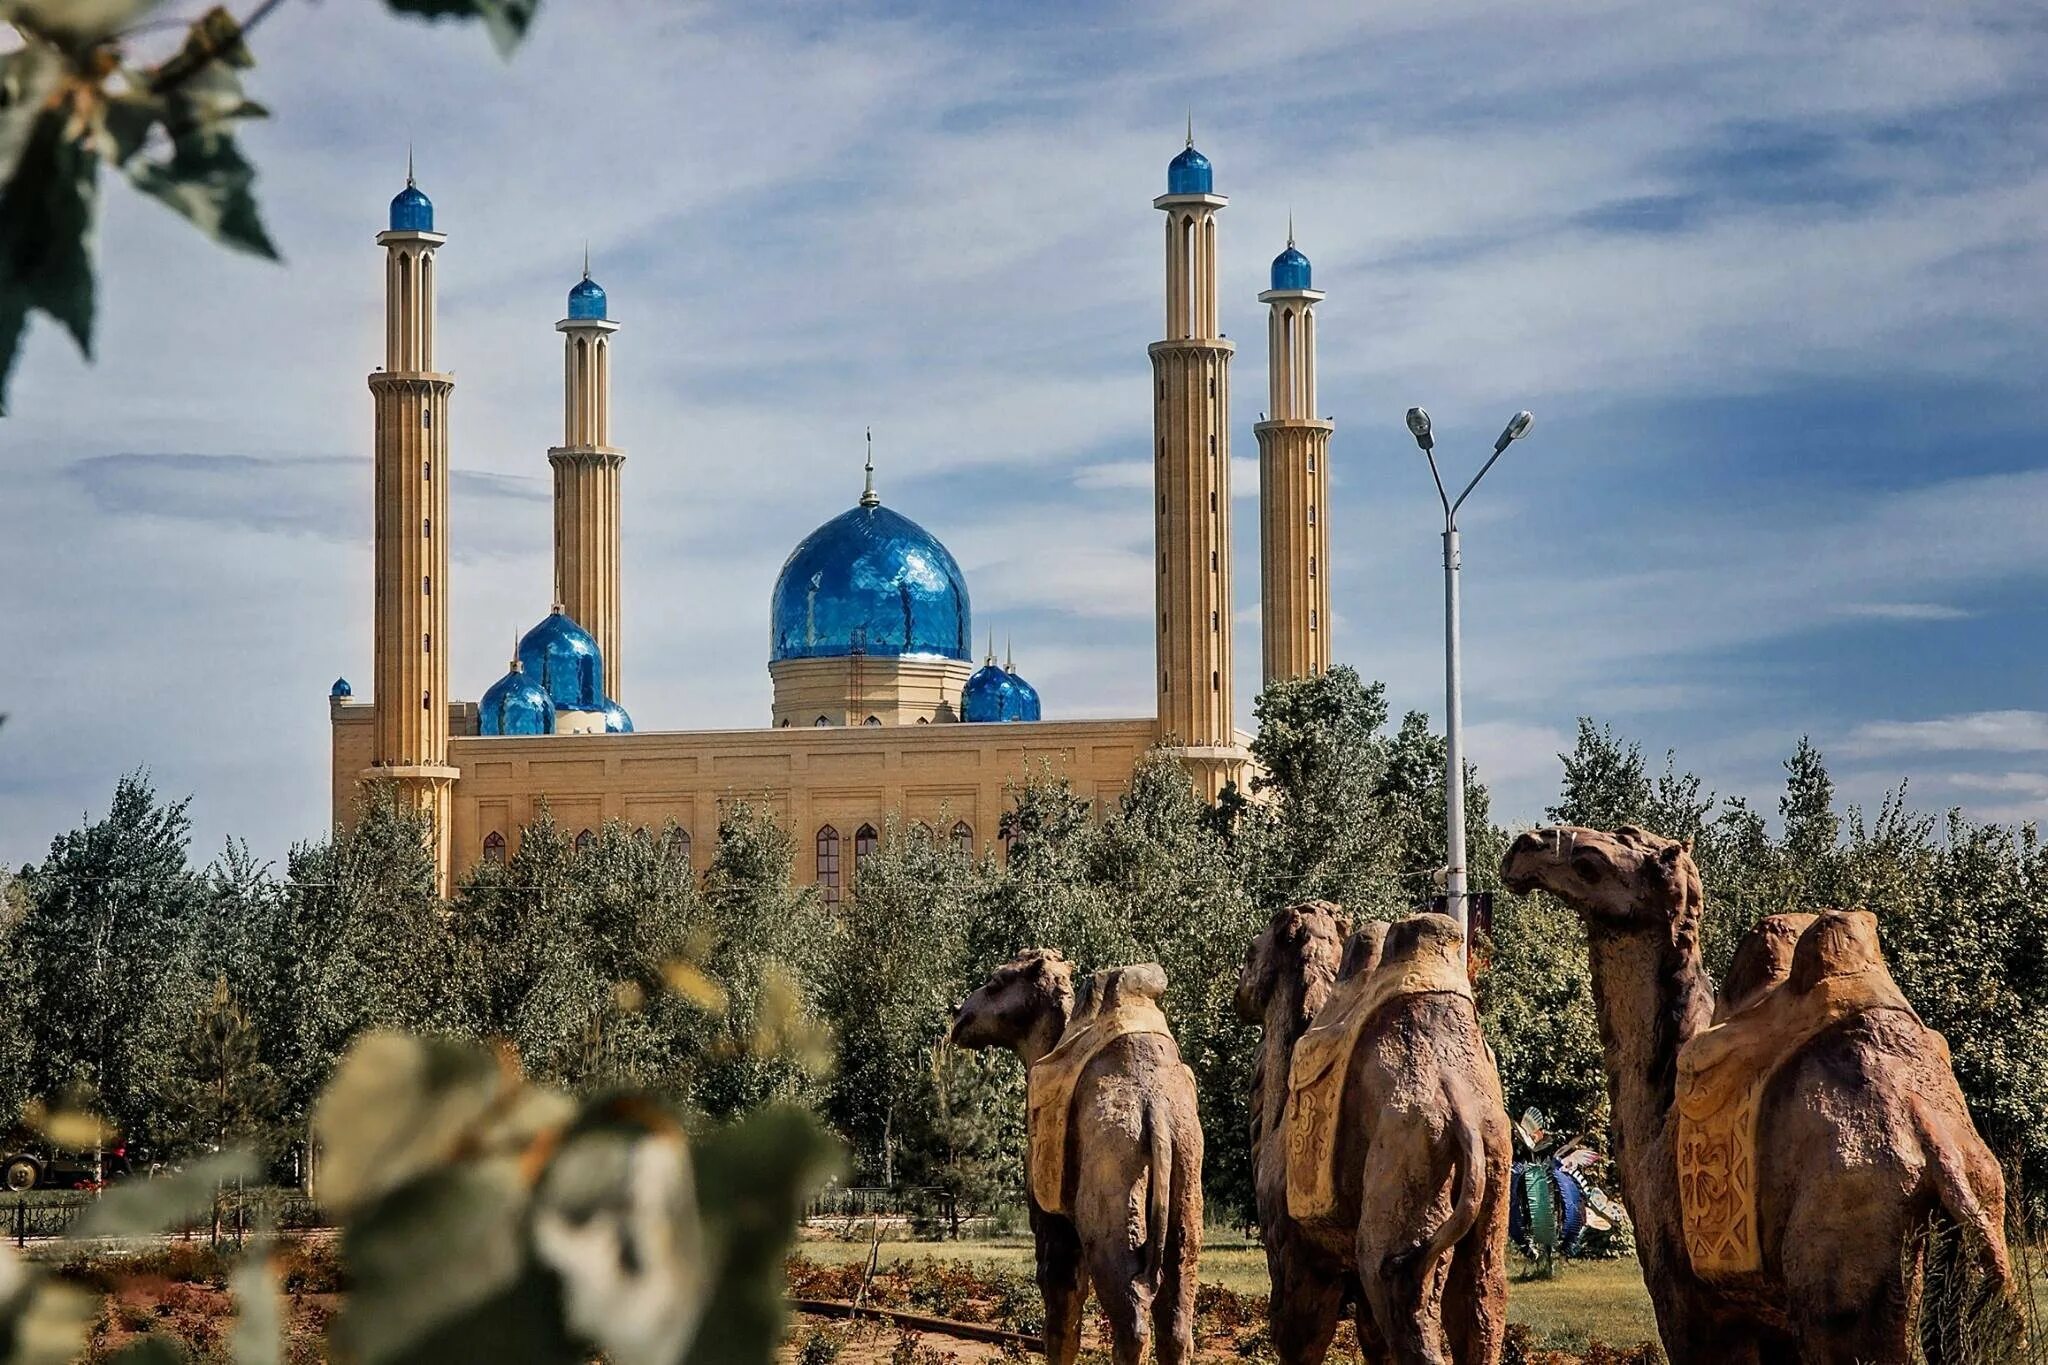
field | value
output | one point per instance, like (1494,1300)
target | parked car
(42,1168)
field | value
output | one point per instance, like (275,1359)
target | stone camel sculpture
(1122,1183)
(1413,1228)
(1858,1130)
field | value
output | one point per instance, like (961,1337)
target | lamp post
(1454,705)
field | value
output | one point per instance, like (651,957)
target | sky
(1770,277)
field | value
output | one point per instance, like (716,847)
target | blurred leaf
(398,1106)
(506,20)
(71,1130)
(754,1178)
(157,1348)
(208,182)
(441,1275)
(258,1335)
(694,985)
(143,1206)
(615,1216)
(42,1322)
(77,25)
(47,204)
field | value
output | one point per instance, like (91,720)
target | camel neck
(1042,1038)
(1288,1015)
(1651,995)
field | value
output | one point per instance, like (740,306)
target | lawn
(1590,1300)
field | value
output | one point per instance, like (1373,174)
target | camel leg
(1370,1348)
(1061,1284)
(1173,1306)
(1406,1198)
(1475,1307)
(1126,1301)
(1307,1301)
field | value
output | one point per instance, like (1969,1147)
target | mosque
(879,711)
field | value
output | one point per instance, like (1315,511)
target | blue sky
(1771,278)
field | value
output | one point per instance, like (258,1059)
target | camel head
(1298,951)
(1629,880)
(1027,1000)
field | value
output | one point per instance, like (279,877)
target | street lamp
(1454,706)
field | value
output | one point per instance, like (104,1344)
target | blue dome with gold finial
(341,690)
(1023,697)
(873,582)
(516,705)
(586,300)
(1290,269)
(616,721)
(986,697)
(1190,173)
(412,211)
(563,658)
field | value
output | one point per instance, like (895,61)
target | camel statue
(1380,1144)
(1780,1154)
(1115,1187)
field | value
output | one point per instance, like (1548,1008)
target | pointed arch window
(872,720)
(494,848)
(1311,514)
(865,842)
(828,863)
(820,721)
(963,838)
(585,841)
(679,847)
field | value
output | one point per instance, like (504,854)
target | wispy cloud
(1977,731)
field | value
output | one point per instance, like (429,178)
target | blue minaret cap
(1189,173)
(1290,269)
(586,300)
(411,211)
(341,689)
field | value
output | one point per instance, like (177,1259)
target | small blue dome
(563,658)
(1290,270)
(1189,173)
(1023,699)
(870,581)
(987,695)
(341,689)
(412,211)
(516,705)
(586,300)
(616,721)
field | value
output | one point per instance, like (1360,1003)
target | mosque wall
(811,778)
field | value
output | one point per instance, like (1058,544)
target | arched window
(494,848)
(585,841)
(922,830)
(785,722)
(864,844)
(872,720)
(1311,514)
(1311,566)
(821,722)
(924,720)
(828,863)
(679,847)
(963,838)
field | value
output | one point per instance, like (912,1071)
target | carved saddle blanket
(1793,977)
(1420,965)
(1114,1005)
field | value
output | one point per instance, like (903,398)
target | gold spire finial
(517,667)
(1191,125)
(1290,227)
(1009,655)
(991,647)
(868,496)
(408,163)
(586,257)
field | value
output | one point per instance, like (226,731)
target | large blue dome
(412,211)
(563,658)
(1290,269)
(516,705)
(1189,173)
(869,581)
(987,694)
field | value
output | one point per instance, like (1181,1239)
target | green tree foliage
(222,1094)
(78,96)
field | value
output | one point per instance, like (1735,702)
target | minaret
(1294,481)
(587,477)
(1191,482)
(411,474)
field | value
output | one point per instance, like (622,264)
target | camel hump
(1106,992)
(1837,943)
(1763,960)
(1363,950)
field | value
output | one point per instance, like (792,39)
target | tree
(103,944)
(1605,784)
(223,1093)
(1322,830)
(74,97)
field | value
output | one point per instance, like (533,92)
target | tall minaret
(587,477)
(1191,482)
(1294,481)
(412,525)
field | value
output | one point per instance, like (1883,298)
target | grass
(1591,1300)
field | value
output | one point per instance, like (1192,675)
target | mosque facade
(879,709)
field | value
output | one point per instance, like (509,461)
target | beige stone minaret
(1294,481)
(587,478)
(411,475)
(1191,484)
